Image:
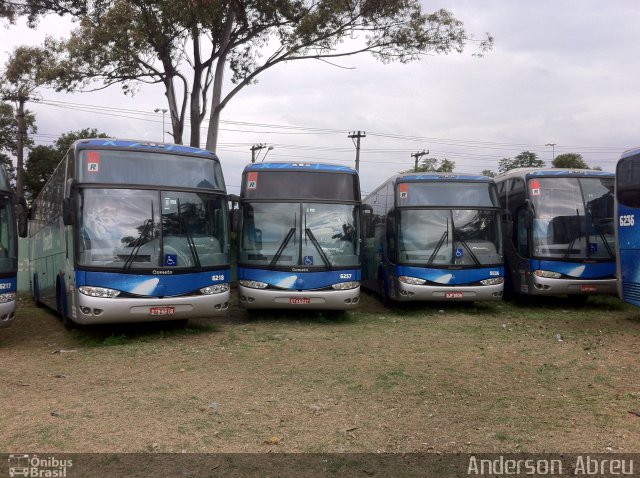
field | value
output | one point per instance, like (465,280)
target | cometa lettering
(161,273)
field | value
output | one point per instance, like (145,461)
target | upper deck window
(448,194)
(305,185)
(149,168)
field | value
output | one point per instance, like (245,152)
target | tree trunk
(194,103)
(216,108)
(22,134)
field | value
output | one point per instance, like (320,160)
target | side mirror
(367,221)
(234,219)
(68,203)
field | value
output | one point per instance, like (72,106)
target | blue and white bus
(8,253)
(561,235)
(434,237)
(628,226)
(299,237)
(128,231)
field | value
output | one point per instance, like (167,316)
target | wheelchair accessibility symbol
(170,260)
(308,260)
(459,252)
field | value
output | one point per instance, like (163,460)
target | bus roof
(630,152)
(431,176)
(106,143)
(550,172)
(292,166)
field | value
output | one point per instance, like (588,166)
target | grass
(453,377)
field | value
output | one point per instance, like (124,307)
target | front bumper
(299,300)
(94,310)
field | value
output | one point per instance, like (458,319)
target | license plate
(454,295)
(588,288)
(162,310)
(299,300)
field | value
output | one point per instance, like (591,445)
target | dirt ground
(499,377)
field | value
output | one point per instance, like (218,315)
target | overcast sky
(563,72)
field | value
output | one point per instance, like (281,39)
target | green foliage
(9,137)
(488,173)
(526,159)
(434,165)
(126,42)
(570,161)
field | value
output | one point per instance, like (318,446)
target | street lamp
(553,149)
(265,154)
(163,110)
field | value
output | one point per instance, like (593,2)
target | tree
(569,161)
(42,160)
(526,159)
(488,173)
(20,79)
(9,136)
(187,46)
(434,165)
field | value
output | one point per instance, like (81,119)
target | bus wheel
(384,290)
(36,291)
(66,321)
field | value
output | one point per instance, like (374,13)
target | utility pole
(254,149)
(418,155)
(357,135)
(21,99)
(553,150)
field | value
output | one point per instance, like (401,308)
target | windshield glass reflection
(573,218)
(444,237)
(309,234)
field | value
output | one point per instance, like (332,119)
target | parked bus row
(125,231)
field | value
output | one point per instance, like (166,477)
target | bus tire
(60,308)
(384,290)
(36,291)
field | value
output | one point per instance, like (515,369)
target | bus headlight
(214,289)
(547,274)
(346,285)
(492,281)
(8,297)
(101,292)
(411,280)
(253,284)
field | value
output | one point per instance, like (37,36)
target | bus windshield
(449,237)
(573,218)
(300,234)
(8,242)
(149,167)
(127,229)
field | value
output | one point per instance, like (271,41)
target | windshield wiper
(466,246)
(573,241)
(444,236)
(192,246)
(604,239)
(318,247)
(147,226)
(282,247)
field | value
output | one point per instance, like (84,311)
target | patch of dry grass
(483,378)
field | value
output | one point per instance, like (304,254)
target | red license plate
(299,300)
(588,288)
(454,295)
(162,310)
